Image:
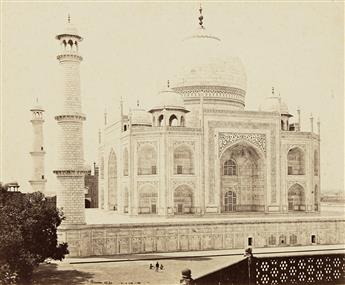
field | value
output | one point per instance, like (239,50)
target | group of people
(158,266)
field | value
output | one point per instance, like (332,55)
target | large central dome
(206,68)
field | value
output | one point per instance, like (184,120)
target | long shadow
(50,274)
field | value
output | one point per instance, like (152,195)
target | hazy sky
(298,48)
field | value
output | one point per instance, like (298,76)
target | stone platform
(108,233)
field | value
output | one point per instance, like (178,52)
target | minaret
(38,180)
(70,170)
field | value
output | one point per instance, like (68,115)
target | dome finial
(272,91)
(69,18)
(137,103)
(201,17)
(168,83)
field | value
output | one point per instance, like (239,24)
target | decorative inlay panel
(291,146)
(153,183)
(151,143)
(226,139)
(302,183)
(178,143)
(212,131)
(177,183)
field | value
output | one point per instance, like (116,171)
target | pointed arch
(296,198)
(160,121)
(147,160)
(242,177)
(173,121)
(183,200)
(148,199)
(112,181)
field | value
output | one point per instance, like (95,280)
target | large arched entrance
(296,198)
(183,200)
(112,181)
(242,179)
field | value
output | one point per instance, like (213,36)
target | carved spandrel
(226,139)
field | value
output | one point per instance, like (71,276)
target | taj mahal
(198,151)
(195,171)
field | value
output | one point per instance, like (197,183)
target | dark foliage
(28,234)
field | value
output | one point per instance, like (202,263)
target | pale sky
(298,48)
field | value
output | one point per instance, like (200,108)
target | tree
(28,234)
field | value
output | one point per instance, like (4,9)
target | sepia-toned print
(157,154)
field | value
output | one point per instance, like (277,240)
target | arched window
(70,43)
(182,121)
(125,128)
(230,200)
(148,199)
(230,168)
(160,120)
(282,125)
(296,162)
(147,160)
(173,122)
(112,181)
(102,167)
(125,162)
(183,160)
(296,198)
(316,163)
(183,200)
(153,121)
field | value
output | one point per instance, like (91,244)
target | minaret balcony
(69,56)
(70,117)
(71,172)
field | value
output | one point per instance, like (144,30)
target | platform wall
(97,240)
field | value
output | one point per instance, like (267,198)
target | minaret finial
(168,83)
(201,17)
(273,91)
(36,100)
(137,103)
(69,18)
